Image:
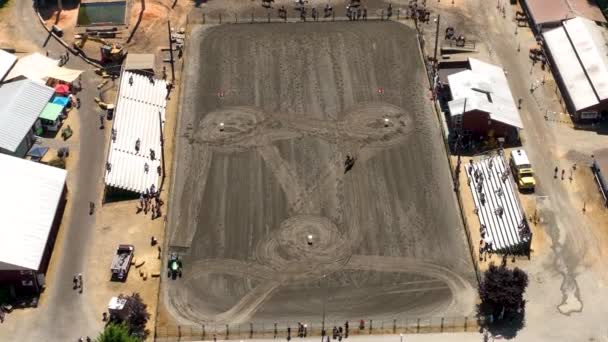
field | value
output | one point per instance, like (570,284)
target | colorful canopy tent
(39,67)
(62,89)
(61,100)
(51,112)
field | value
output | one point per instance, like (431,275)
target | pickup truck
(121,263)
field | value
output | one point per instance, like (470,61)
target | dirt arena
(295,100)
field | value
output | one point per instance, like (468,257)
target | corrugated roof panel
(21,102)
(137,117)
(31,196)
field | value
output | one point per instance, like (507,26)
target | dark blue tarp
(37,152)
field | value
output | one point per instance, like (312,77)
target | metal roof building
(484,88)
(32,193)
(7,61)
(21,102)
(140,115)
(550,13)
(579,59)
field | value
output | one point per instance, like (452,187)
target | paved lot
(295,100)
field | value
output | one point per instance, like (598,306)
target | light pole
(324,303)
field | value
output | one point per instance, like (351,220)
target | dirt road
(294,101)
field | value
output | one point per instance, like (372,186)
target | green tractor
(174,266)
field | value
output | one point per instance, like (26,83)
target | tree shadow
(48,10)
(507,327)
(139,18)
(198,3)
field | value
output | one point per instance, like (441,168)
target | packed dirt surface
(269,114)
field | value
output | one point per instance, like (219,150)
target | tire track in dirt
(463,293)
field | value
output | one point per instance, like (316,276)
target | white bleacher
(502,231)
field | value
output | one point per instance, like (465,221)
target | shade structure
(61,100)
(51,112)
(62,89)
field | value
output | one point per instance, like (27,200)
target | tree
(137,316)
(502,304)
(116,333)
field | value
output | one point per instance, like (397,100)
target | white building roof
(20,105)
(484,87)
(502,231)
(31,193)
(579,53)
(7,61)
(140,112)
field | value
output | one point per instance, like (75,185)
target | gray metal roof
(139,61)
(20,105)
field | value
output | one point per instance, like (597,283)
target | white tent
(39,67)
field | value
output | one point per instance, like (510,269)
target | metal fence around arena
(258,16)
(279,330)
(430,69)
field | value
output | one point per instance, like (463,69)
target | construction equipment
(174,266)
(112,53)
(522,170)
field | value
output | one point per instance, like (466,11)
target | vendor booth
(51,116)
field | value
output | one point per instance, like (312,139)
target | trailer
(121,263)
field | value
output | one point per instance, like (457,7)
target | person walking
(555,174)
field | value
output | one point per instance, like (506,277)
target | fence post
(204,15)
(268,17)
(418,325)
(203,332)
(236,18)
(382,15)
(275,330)
(333,16)
(250,330)
(179,331)
(227,331)
(398,14)
(370,326)
(394,326)
(220,18)
(441,327)
(465,323)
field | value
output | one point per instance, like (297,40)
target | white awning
(39,67)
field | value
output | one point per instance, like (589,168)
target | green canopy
(51,112)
